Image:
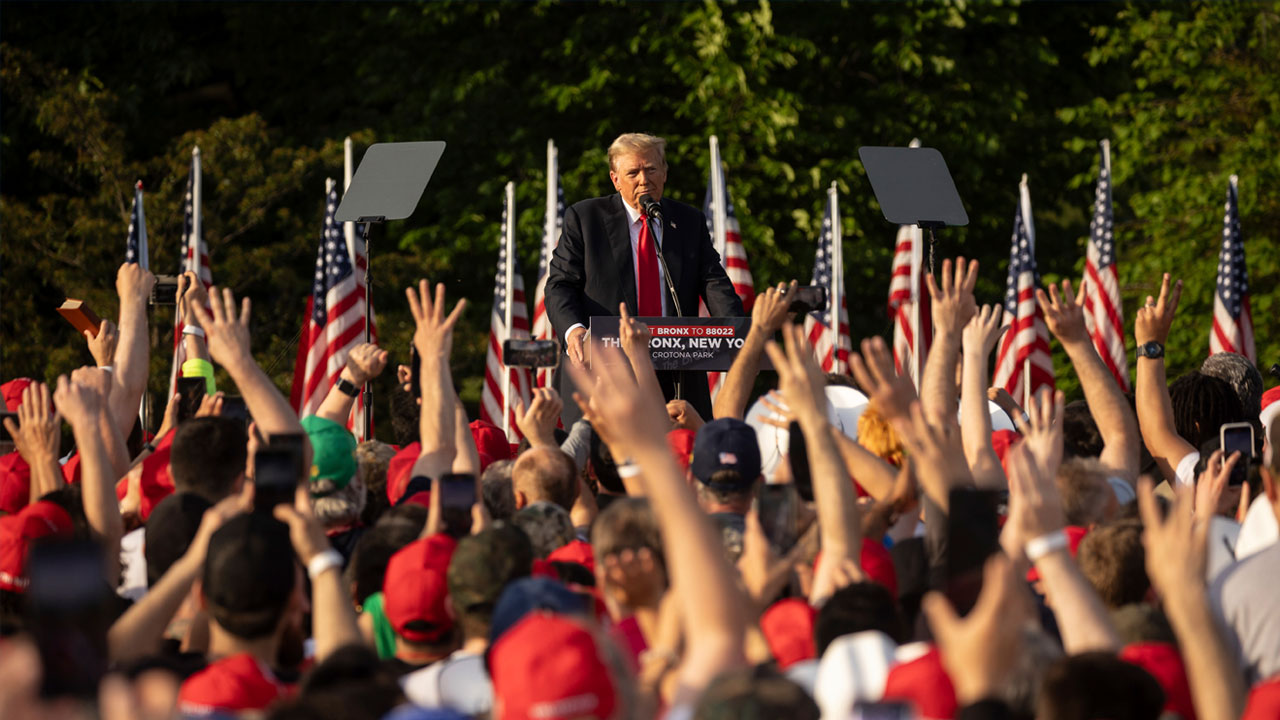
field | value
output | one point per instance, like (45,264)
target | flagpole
(553,161)
(194,247)
(1025,202)
(719,211)
(509,240)
(837,267)
(348,228)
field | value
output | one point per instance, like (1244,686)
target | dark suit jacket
(593,270)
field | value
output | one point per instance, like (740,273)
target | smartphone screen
(799,459)
(457,495)
(294,443)
(275,477)
(809,298)
(531,353)
(191,391)
(973,535)
(1237,437)
(68,616)
(233,407)
(415,366)
(776,508)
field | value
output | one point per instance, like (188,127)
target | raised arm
(1151,390)
(953,305)
(133,352)
(38,435)
(767,316)
(1064,314)
(979,338)
(705,586)
(228,339)
(1036,512)
(634,336)
(333,619)
(433,337)
(191,293)
(801,383)
(83,401)
(538,421)
(1176,547)
(365,362)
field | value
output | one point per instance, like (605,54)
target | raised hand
(982,332)
(619,410)
(1035,505)
(134,284)
(226,334)
(1212,483)
(191,293)
(953,301)
(771,308)
(103,346)
(1042,431)
(683,415)
(800,379)
(433,334)
(538,421)
(633,334)
(365,362)
(873,369)
(80,398)
(937,453)
(1063,313)
(763,573)
(1156,317)
(38,432)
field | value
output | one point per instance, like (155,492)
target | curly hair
(876,435)
(1201,404)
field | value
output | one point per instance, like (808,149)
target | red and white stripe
(905,288)
(553,224)
(503,385)
(1023,364)
(195,258)
(726,236)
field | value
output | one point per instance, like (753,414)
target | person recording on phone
(608,255)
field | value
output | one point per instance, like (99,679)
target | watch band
(1153,350)
(346,387)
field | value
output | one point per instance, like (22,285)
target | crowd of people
(1105,559)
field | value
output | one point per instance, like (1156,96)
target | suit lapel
(673,254)
(620,242)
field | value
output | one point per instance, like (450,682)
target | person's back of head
(169,531)
(481,568)
(1098,685)
(627,524)
(545,473)
(1241,374)
(1202,404)
(755,693)
(726,464)
(373,551)
(548,527)
(1087,497)
(373,459)
(1114,562)
(338,492)
(496,491)
(857,607)
(249,575)
(352,683)
(1080,436)
(604,466)
(208,456)
(405,413)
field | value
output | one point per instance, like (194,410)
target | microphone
(651,208)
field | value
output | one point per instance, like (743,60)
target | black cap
(726,444)
(170,528)
(249,574)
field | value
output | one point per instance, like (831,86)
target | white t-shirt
(133,583)
(1185,473)
(459,682)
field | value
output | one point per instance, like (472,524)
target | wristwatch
(346,387)
(1152,350)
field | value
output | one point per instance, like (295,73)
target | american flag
(1025,347)
(832,348)
(542,329)
(334,324)
(726,234)
(906,285)
(1101,286)
(195,258)
(1232,317)
(136,246)
(506,320)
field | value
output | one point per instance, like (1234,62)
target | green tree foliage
(97,96)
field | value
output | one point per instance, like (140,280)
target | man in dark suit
(607,255)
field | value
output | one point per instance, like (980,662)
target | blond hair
(628,143)
(878,436)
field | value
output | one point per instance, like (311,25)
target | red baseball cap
(1165,665)
(15,483)
(399,470)
(156,481)
(1002,440)
(576,551)
(1264,701)
(490,440)
(35,521)
(1075,534)
(681,443)
(788,628)
(924,683)
(548,667)
(416,590)
(234,684)
(12,392)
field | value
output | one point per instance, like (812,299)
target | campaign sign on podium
(680,343)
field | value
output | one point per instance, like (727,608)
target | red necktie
(648,290)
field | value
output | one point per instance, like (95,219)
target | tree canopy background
(96,96)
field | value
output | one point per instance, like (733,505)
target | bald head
(545,473)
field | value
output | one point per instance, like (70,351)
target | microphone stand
(671,287)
